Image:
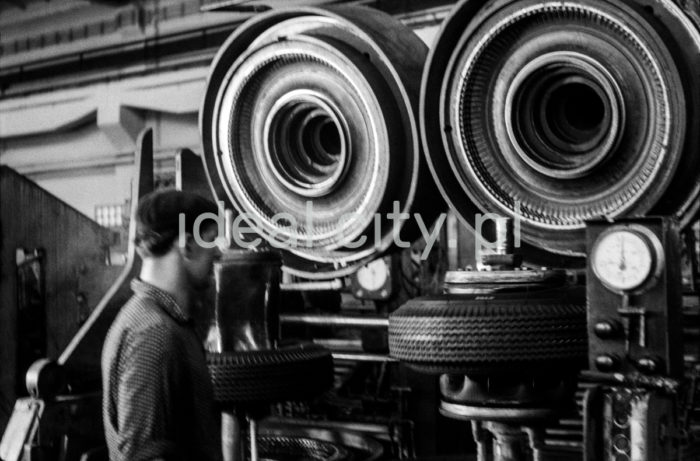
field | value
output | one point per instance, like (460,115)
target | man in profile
(157,395)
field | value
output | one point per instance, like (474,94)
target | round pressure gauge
(373,276)
(626,259)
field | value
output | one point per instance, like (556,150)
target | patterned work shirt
(157,396)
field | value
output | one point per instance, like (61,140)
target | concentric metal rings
(310,133)
(270,164)
(306,143)
(555,113)
(566,115)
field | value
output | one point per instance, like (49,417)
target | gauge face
(623,260)
(373,276)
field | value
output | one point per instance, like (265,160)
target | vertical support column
(253,428)
(232,436)
(483,440)
(510,442)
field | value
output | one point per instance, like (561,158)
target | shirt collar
(164,299)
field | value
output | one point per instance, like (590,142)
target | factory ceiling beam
(115,107)
(119,123)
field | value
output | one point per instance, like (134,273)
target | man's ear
(142,252)
(186,245)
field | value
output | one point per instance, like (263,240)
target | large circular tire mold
(556,113)
(499,333)
(315,110)
(288,373)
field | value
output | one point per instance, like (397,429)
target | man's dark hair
(158,218)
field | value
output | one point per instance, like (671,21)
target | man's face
(200,261)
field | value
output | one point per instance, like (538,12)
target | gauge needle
(623,266)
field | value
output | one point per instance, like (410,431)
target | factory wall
(74,275)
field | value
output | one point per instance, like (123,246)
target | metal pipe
(335,284)
(253,427)
(571,422)
(232,437)
(563,432)
(504,236)
(354,345)
(335,320)
(563,443)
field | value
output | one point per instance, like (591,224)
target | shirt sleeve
(144,396)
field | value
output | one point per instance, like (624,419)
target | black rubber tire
(297,372)
(279,447)
(499,333)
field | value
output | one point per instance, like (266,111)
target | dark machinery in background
(634,278)
(557,131)
(508,342)
(553,115)
(45,281)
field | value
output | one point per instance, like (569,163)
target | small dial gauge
(624,260)
(373,276)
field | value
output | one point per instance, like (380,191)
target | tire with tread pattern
(296,372)
(498,333)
